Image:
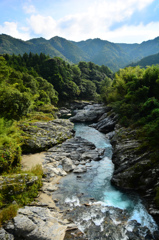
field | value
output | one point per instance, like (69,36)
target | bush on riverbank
(18,190)
(134,96)
(10,149)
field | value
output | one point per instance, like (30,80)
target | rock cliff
(134,167)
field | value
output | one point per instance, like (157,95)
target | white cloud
(45,26)
(11,28)
(29,9)
(134,34)
(93,21)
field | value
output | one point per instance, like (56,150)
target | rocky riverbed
(45,218)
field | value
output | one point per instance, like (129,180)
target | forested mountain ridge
(147,61)
(101,52)
(82,81)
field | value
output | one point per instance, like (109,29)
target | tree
(13,103)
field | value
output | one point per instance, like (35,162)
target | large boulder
(35,223)
(89,113)
(106,123)
(67,164)
(39,136)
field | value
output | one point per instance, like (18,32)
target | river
(95,183)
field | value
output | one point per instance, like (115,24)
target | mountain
(101,52)
(147,61)
(104,53)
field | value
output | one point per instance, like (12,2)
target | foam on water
(100,186)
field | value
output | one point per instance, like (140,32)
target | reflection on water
(95,183)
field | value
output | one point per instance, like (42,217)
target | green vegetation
(80,81)
(134,96)
(10,150)
(101,52)
(147,61)
(21,93)
(31,86)
(18,190)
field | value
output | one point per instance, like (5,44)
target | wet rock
(89,113)
(73,152)
(110,135)
(80,169)
(134,169)
(67,164)
(97,222)
(106,124)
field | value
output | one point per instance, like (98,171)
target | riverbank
(45,217)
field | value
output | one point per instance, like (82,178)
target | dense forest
(98,51)
(147,61)
(32,86)
(134,96)
(82,81)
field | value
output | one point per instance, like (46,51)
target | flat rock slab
(36,223)
(73,152)
(40,136)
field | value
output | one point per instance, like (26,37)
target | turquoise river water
(95,183)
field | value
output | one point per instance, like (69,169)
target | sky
(119,21)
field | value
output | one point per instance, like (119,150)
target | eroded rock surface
(40,136)
(89,113)
(134,168)
(35,223)
(106,123)
(99,222)
(73,154)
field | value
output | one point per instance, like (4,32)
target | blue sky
(128,21)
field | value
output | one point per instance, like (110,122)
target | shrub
(10,150)
(8,213)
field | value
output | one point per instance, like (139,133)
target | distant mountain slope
(101,52)
(147,61)
(68,49)
(139,51)
(12,45)
(38,45)
(104,53)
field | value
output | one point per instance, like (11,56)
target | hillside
(147,61)
(101,52)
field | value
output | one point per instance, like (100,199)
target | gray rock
(89,113)
(23,225)
(67,164)
(5,235)
(106,124)
(73,152)
(37,223)
(80,169)
(43,135)
(134,169)
(63,112)
(107,223)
